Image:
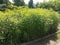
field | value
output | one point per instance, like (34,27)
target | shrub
(55,5)
(27,24)
(37,23)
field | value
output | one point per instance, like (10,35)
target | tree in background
(37,4)
(30,4)
(55,5)
(19,2)
(7,2)
(4,3)
(1,1)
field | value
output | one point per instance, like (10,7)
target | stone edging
(40,38)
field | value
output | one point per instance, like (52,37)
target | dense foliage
(23,25)
(4,2)
(55,5)
(19,2)
(30,5)
(1,1)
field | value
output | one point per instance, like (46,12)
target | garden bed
(24,25)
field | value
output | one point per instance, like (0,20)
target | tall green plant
(24,24)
